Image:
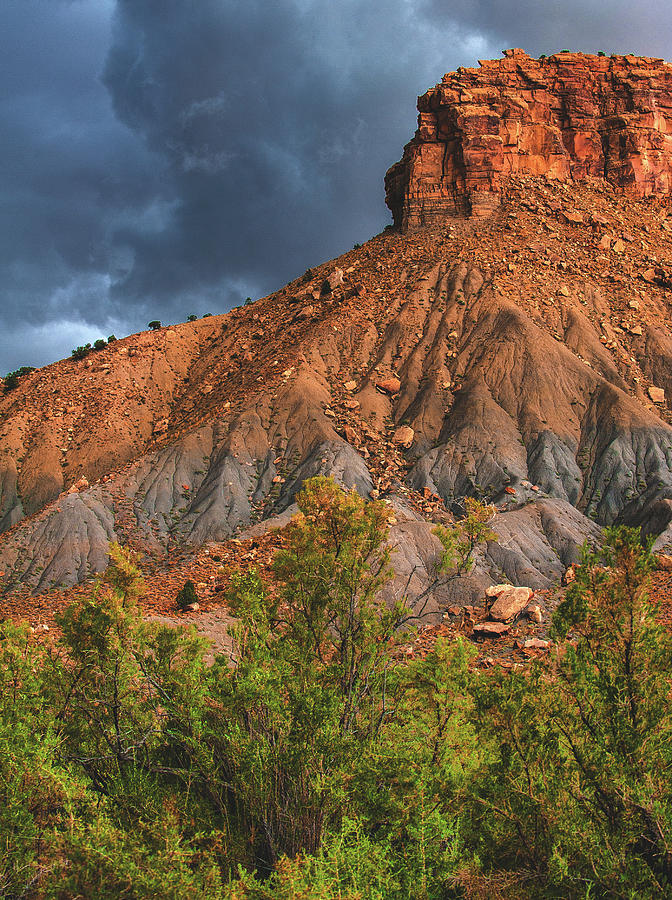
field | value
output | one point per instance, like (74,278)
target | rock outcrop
(570,116)
(523,357)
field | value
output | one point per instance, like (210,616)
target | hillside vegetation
(319,763)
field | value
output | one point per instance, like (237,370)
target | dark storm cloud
(63,177)
(615,26)
(163,157)
(276,123)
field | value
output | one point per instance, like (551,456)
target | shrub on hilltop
(81,352)
(11,379)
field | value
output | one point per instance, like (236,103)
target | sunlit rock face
(571,116)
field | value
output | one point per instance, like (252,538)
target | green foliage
(35,793)
(81,352)
(187,594)
(11,379)
(121,679)
(192,317)
(319,765)
(460,541)
(111,339)
(349,865)
(100,344)
(107,862)
(578,790)
(309,694)
(611,709)
(154,325)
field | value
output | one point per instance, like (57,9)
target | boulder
(533,613)
(403,436)
(389,385)
(536,644)
(570,575)
(496,589)
(335,278)
(490,630)
(80,485)
(510,603)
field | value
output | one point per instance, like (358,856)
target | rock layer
(569,116)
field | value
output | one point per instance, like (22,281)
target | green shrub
(321,765)
(11,379)
(81,351)
(107,861)
(36,793)
(100,344)
(577,788)
(154,325)
(186,595)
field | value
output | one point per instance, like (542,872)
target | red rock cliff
(567,116)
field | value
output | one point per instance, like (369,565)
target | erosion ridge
(569,116)
(523,357)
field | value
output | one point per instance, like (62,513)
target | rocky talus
(523,357)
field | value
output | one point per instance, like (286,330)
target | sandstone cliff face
(570,116)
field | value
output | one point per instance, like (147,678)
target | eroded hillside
(524,357)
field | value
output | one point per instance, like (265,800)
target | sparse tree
(82,351)
(461,540)
(186,595)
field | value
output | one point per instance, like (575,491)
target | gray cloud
(615,26)
(163,158)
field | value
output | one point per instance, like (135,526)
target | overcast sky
(166,157)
